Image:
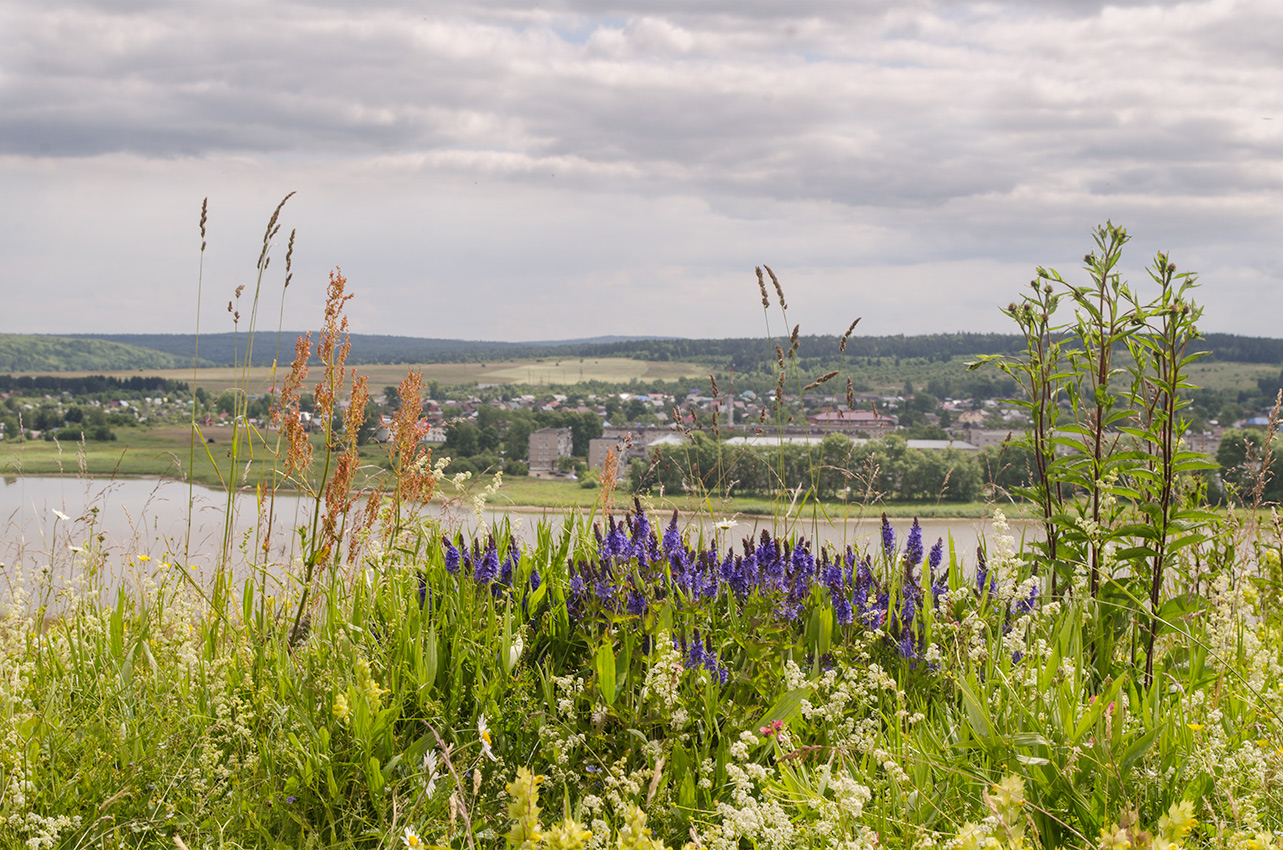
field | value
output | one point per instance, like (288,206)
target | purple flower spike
(672,537)
(888,538)
(451,557)
(936,556)
(913,546)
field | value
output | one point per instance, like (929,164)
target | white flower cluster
(1004,560)
(764,822)
(45,832)
(663,681)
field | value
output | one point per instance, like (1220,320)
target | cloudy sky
(502,170)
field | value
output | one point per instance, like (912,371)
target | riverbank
(166,452)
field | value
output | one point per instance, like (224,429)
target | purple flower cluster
(485,566)
(638,569)
(701,654)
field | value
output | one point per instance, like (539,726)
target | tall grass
(620,683)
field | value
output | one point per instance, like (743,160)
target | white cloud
(589,152)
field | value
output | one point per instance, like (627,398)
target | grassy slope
(44,354)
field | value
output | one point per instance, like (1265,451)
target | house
(547,445)
(630,444)
(854,421)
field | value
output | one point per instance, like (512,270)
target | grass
(526,372)
(627,686)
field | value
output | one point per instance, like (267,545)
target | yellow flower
(1114,839)
(1178,821)
(1195,726)
(341,708)
(524,810)
(973,836)
(567,835)
(144,558)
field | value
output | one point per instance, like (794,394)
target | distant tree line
(89,385)
(883,469)
(744,354)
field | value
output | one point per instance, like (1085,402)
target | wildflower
(1195,726)
(1025,605)
(483,733)
(913,546)
(973,836)
(411,839)
(431,763)
(672,536)
(937,555)
(525,833)
(567,835)
(451,557)
(487,566)
(635,835)
(144,558)
(1114,839)
(514,651)
(60,515)
(1178,821)
(888,538)
(772,730)
(341,708)
(636,603)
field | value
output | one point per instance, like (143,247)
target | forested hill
(226,349)
(81,352)
(40,353)
(758,353)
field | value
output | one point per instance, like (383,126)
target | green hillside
(41,353)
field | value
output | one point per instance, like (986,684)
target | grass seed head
(779,290)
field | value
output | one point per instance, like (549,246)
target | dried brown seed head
(779,290)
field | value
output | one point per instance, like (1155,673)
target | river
(140,524)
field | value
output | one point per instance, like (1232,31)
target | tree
(461,439)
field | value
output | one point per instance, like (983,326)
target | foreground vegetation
(628,683)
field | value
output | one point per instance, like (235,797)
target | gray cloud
(835,137)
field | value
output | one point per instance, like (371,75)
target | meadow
(629,681)
(535,372)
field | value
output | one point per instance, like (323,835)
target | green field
(539,372)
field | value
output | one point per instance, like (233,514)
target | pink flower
(773,729)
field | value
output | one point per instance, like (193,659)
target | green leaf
(605,664)
(785,708)
(1138,748)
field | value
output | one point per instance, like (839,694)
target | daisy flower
(483,732)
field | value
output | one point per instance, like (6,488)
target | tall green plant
(1161,357)
(1103,321)
(1121,450)
(1041,374)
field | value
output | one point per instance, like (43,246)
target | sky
(511,171)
